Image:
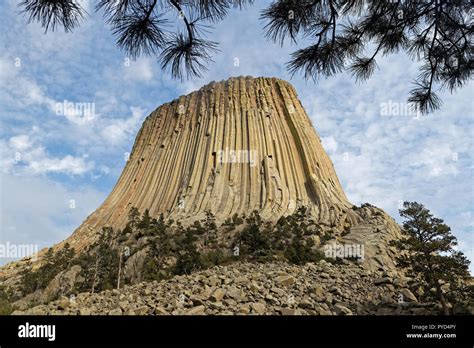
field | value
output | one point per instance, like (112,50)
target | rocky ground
(253,288)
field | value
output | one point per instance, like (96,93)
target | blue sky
(379,159)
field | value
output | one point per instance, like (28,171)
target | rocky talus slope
(252,288)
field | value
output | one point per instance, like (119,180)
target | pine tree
(211,233)
(107,262)
(254,240)
(189,258)
(52,264)
(289,237)
(65,256)
(298,251)
(145,222)
(159,249)
(428,251)
(133,218)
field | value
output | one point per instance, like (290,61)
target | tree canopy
(429,252)
(344,34)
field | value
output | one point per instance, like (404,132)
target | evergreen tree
(160,248)
(65,256)
(145,222)
(428,251)
(289,237)
(211,233)
(254,239)
(52,264)
(133,218)
(189,258)
(106,263)
(298,251)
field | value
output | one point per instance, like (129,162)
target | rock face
(62,283)
(232,147)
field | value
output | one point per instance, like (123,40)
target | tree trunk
(95,273)
(119,270)
(442,299)
(434,279)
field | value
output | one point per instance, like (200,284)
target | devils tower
(232,147)
(236,148)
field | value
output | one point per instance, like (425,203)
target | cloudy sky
(56,169)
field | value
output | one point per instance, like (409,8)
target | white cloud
(68,165)
(119,130)
(22,154)
(20,142)
(436,161)
(139,70)
(26,90)
(330,144)
(37,210)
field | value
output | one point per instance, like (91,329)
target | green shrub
(5,306)
(254,239)
(53,263)
(299,251)
(189,258)
(217,257)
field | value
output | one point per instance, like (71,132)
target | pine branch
(53,13)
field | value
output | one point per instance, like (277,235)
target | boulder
(234,293)
(408,296)
(133,267)
(382,280)
(62,284)
(217,295)
(160,311)
(258,308)
(285,280)
(84,311)
(318,291)
(198,310)
(287,311)
(115,311)
(342,310)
